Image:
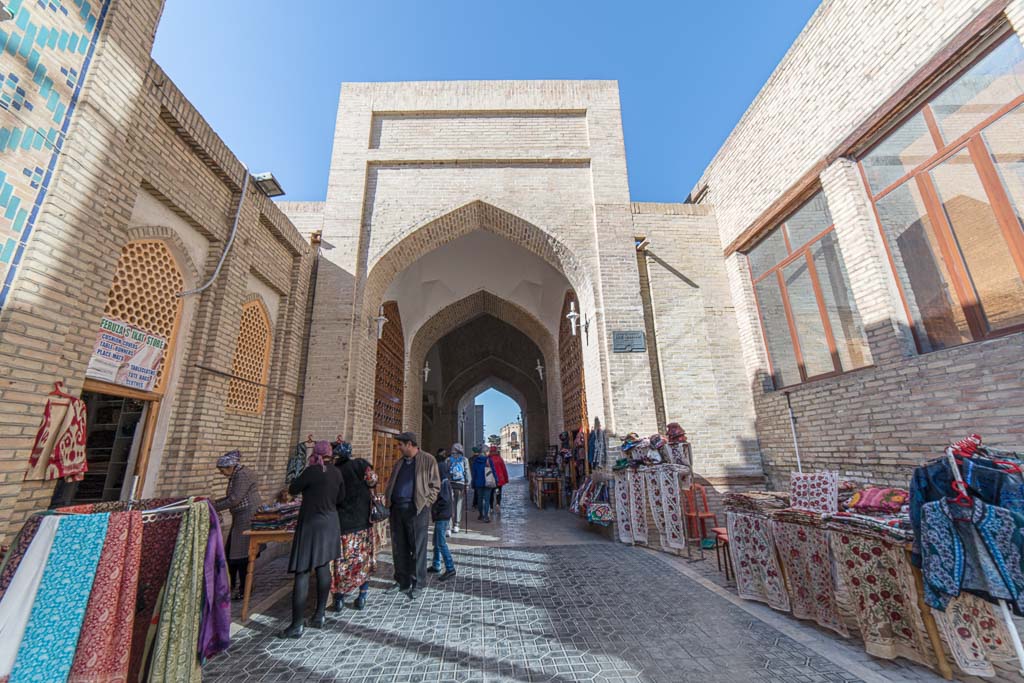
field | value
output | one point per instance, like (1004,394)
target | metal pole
(792,427)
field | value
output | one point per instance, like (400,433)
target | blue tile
(58,115)
(14,6)
(13,43)
(12,142)
(19,221)
(62,43)
(3,40)
(4,135)
(27,40)
(33,60)
(53,100)
(26,140)
(12,208)
(52,39)
(73,43)
(5,194)
(8,251)
(22,19)
(42,36)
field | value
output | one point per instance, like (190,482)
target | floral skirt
(358,560)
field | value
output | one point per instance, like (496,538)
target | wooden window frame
(973,143)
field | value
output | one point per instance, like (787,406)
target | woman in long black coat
(317,535)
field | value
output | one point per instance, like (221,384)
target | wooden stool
(697,517)
(722,547)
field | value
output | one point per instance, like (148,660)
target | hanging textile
(670,478)
(48,645)
(975,635)
(17,551)
(752,548)
(174,651)
(215,623)
(652,482)
(59,448)
(296,463)
(101,654)
(622,517)
(17,603)
(637,506)
(883,596)
(817,492)
(804,553)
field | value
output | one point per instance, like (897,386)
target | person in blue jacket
(485,480)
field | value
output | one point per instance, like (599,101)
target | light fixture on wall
(268,183)
(5,13)
(540,370)
(573,317)
(381,320)
(426,371)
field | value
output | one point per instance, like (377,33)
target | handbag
(489,479)
(378,510)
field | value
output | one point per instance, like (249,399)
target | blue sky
(266,74)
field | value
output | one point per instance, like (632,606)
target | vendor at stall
(242,499)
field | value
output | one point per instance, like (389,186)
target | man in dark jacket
(442,514)
(411,490)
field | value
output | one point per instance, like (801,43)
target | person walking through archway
(484,482)
(441,512)
(501,475)
(411,491)
(316,535)
(357,561)
(458,475)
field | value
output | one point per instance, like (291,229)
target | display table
(256,539)
(540,482)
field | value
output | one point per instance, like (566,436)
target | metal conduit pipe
(231,240)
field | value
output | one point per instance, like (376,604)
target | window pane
(807,318)
(810,221)
(938,319)
(847,328)
(776,332)
(907,147)
(997,282)
(767,253)
(1005,139)
(990,84)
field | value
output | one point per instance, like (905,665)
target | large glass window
(948,187)
(811,326)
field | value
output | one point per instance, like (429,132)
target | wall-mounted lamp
(426,371)
(573,317)
(381,320)
(268,183)
(5,13)
(540,370)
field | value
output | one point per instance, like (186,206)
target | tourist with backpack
(458,474)
(484,481)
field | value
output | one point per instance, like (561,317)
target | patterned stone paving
(570,607)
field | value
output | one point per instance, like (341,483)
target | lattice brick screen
(252,360)
(144,292)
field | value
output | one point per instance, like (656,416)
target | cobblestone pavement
(538,597)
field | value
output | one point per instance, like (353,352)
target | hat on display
(676,434)
(656,441)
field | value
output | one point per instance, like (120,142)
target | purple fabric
(215,622)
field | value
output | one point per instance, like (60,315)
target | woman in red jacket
(501,474)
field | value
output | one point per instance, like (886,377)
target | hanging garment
(975,635)
(59,448)
(977,549)
(215,622)
(15,554)
(17,603)
(883,597)
(804,554)
(637,506)
(296,463)
(679,454)
(752,549)
(652,483)
(670,479)
(48,646)
(623,520)
(175,658)
(600,458)
(101,654)
(817,492)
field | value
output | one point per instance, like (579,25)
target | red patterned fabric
(101,656)
(17,551)
(61,447)
(804,553)
(818,492)
(878,500)
(752,549)
(975,635)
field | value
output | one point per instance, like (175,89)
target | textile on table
(48,645)
(101,654)
(883,596)
(804,553)
(637,506)
(817,492)
(174,651)
(623,520)
(758,576)
(17,604)
(670,478)
(59,448)
(975,635)
(215,621)
(652,482)
(875,499)
(17,551)
(357,561)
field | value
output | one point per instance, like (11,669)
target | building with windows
(512,447)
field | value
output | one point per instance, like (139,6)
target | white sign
(126,355)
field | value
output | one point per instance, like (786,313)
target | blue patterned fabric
(48,646)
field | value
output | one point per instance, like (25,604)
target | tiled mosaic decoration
(45,52)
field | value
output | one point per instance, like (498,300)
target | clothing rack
(1004,610)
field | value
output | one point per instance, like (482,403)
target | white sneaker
(455,530)
(448,533)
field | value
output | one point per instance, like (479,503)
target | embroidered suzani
(752,548)
(675,522)
(804,553)
(976,637)
(652,482)
(637,506)
(622,516)
(818,492)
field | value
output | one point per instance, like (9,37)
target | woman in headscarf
(316,536)
(242,499)
(357,561)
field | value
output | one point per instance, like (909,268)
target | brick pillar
(755,356)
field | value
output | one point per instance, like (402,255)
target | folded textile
(754,562)
(818,491)
(755,501)
(890,527)
(876,499)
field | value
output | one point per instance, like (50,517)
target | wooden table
(256,539)
(539,483)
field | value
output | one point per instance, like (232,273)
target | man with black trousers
(412,489)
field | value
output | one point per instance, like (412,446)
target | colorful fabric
(48,645)
(623,521)
(174,651)
(356,563)
(296,463)
(215,621)
(17,603)
(817,492)
(59,448)
(875,499)
(637,506)
(752,549)
(883,597)
(110,614)
(652,483)
(804,554)
(679,454)
(975,635)
(671,478)
(15,554)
